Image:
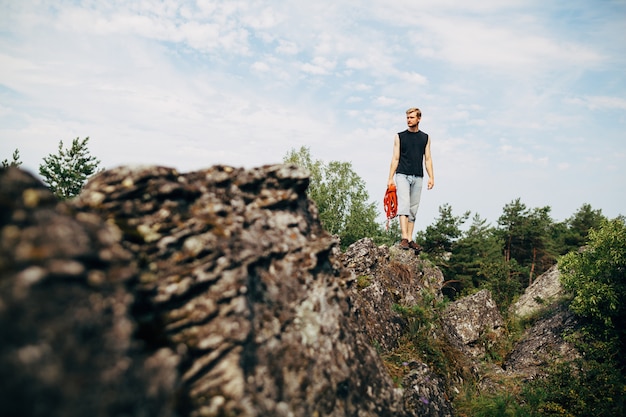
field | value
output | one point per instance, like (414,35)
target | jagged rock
(541,293)
(238,278)
(210,293)
(426,392)
(387,276)
(384,277)
(66,345)
(543,345)
(472,321)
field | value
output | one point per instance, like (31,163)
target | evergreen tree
(473,257)
(66,172)
(527,238)
(15,162)
(573,232)
(438,239)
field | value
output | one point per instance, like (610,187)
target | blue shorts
(409,191)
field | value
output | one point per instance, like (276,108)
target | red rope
(390,203)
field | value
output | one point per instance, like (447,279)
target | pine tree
(66,172)
(15,162)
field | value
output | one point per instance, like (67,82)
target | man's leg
(405,229)
(409,230)
(403,189)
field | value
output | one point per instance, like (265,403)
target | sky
(521,98)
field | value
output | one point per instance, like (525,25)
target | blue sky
(521,98)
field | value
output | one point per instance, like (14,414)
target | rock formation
(471,321)
(542,293)
(544,343)
(212,293)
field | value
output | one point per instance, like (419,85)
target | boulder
(66,328)
(545,342)
(540,294)
(216,293)
(385,277)
(472,322)
(156,293)
(543,345)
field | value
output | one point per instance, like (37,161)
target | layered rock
(540,294)
(545,343)
(217,293)
(472,322)
(387,277)
(211,293)
(66,330)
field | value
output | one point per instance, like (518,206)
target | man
(411,150)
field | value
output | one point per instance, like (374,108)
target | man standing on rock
(411,149)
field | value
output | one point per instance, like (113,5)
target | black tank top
(412,149)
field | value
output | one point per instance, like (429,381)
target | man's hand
(431,183)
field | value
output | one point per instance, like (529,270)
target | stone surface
(211,293)
(217,293)
(384,277)
(540,294)
(543,345)
(66,345)
(472,321)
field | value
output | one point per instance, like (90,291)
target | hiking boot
(404,244)
(417,248)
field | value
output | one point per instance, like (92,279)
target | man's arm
(429,165)
(394,160)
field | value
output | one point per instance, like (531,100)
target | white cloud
(599,102)
(287,48)
(319,66)
(260,66)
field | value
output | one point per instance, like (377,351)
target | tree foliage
(66,172)
(15,162)
(596,276)
(440,237)
(506,258)
(341,197)
(526,236)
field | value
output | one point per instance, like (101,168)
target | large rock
(238,279)
(156,293)
(216,293)
(386,277)
(471,322)
(545,342)
(543,345)
(66,330)
(540,294)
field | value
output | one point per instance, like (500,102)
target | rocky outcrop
(217,293)
(472,322)
(386,277)
(66,328)
(542,293)
(211,293)
(383,278)
(543,345)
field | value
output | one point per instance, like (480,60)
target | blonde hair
(416,110)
